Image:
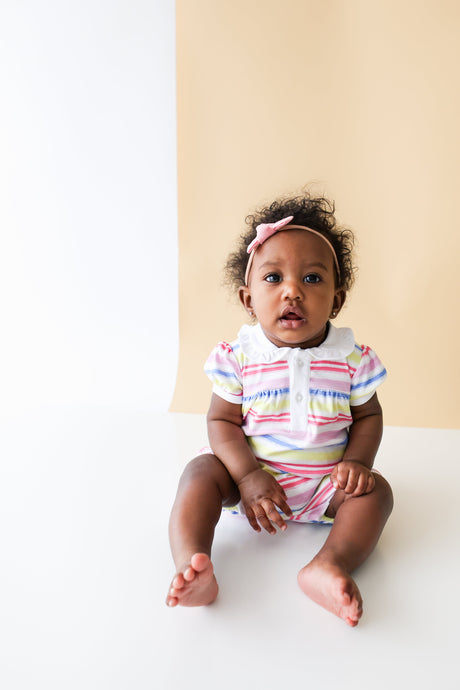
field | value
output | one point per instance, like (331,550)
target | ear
(338,302)
(246,300)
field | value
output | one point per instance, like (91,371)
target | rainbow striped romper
(296,407)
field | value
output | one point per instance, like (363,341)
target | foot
(330,586)
(194,585)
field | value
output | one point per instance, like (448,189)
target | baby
(294,421)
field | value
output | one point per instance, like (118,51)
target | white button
(299,362)
(299,397)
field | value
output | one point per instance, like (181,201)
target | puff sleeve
(367,376)
(224,372)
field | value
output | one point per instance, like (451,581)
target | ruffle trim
(339,343)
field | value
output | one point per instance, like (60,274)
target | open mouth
(292,316)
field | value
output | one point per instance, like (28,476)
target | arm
(259,491)
(227,438)
(353,474)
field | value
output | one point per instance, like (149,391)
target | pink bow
(266,230)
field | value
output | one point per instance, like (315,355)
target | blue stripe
(329,394)
(226,374)
(265,394)
(279,442)
(284,444)
(369,381)
(276,440)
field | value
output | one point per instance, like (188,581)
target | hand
(353,478)
(260,494)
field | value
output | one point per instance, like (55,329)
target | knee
(207,472)
(202,465)
(206,468)
(385,493)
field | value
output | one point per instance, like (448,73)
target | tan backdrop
(361,97)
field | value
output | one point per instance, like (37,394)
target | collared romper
(296,407)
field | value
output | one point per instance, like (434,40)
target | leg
(203,488)
(357,527)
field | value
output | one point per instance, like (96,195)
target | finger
(285,507)
(274,515)
(278,490)
(334,480)
(263,520)
(252,520)
(342,478)
(352,482)
(361,485)
(370,483)
(283,493)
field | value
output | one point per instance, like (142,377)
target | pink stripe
(302,512)
(263,420)
(223,361)
(321,421)
(371,366)
(290,483)
(341,415)
(319,498)
(270,385)
(330,384)
(256,368)
(284,416)
(301,501)
(325,437)
(332,366)
(367,369)
(327,362)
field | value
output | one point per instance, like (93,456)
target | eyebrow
(314,264)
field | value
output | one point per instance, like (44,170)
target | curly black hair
(316,213)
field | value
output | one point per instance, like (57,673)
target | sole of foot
(195,584)
(334,589)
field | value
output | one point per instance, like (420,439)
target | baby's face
(292,289)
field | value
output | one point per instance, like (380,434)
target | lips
(292,314)
(292,317)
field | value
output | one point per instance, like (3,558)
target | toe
(200,561)
(178,582)
(346,599)
(189,574)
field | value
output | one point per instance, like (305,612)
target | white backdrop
(88,277)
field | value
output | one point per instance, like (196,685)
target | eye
(272,278)
(312,278)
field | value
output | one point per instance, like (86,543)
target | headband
(266,230)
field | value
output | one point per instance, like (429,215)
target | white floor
(84,568)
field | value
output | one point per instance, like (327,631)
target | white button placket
(299,379)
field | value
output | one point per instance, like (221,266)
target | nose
(291,290)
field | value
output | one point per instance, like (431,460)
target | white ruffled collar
(339,343)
